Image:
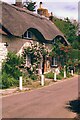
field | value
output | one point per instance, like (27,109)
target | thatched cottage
(19,27)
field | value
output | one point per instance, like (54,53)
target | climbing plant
(35,52)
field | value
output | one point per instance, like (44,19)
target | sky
(60,8)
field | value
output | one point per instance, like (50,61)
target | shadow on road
(74,106)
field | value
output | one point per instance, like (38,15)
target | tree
(30,5)
(68,28)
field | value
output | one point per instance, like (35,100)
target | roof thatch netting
(18,20)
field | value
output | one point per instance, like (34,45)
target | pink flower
(35,53)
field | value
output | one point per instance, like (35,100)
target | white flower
(31,68)
(34,66)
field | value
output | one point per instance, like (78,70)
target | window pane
(29,34)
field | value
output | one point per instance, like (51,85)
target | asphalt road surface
(48,102)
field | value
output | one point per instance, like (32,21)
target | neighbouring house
(20,28)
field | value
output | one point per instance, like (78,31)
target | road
(48,102)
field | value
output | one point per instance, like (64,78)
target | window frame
(27,35)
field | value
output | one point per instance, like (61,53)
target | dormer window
(28,35)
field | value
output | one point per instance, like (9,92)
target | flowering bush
(35,53)
(60,52)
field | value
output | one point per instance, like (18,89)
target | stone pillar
(20,83)
(64,71)
(55,75)
(42,80)
(41,74)
(72,72)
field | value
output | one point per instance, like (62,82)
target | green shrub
(62,73)
(11,66)
(8,81)
(68,75)
(0,81)
(34,77)
(59,77)
(11,71)
(49,75)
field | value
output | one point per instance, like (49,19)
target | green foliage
(10,70)
(60,52)
(71,56)
(11,66)
(8,81)
(34,77)
(68,75)
(30,5)
(59,77)
(67,28)
(49,75)
(74,57)
(62,72)
(76,44)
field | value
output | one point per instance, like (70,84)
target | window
(28,34)
(54,61)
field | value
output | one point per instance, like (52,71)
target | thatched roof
(18,20)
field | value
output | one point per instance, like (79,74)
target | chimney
(51,17)
(40,5)
(19,3)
